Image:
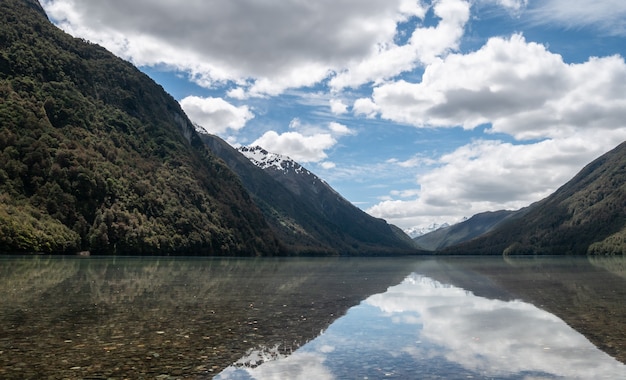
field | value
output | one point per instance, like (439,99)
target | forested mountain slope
(306,214)
(587,215)
(96,156)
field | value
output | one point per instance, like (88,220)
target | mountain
(96,156)
(466,230)
(587,215)
(415,232)
(307,215)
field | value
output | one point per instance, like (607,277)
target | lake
(312,318)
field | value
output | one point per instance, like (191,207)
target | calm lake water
(326,318)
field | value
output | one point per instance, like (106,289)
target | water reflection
(423,328)
(177,318)
(74,318)
(588,293)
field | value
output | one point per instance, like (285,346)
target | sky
(416,111)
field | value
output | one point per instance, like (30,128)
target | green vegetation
(95,156)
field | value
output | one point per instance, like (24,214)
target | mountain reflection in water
(124,317)
(423,328)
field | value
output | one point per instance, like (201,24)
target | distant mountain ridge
(415,232)
(307,215)
(587,215)
(466,230)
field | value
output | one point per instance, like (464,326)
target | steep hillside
(469,229)
(96,156)
(305,212)
(585,216)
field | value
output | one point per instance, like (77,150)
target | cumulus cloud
(216,115)
(339,129)
(424,45)
(365,107)
(265,47)
(519,87)
(338,107)
(306,142)
(564,114)
(491,175)
(296,145)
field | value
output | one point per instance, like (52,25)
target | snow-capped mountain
(414,232)
(307,215)
(267,160)
(287,171)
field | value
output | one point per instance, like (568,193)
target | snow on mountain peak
(414,232)
(268,160)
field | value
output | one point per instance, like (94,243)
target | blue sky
(418,112)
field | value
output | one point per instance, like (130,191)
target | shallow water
(327,318)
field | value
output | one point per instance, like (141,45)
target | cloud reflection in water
(423,327)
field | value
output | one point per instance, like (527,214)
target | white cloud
(295,123)
(365,107)
(216,115)
(338,107)
(308,129)
(519,87)
(608,16)
(237,93)
(425,44)
(491,175)
(339,129)
(296,145)
(306,142)
(264,47)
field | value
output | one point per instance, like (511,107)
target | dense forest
(96,156)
